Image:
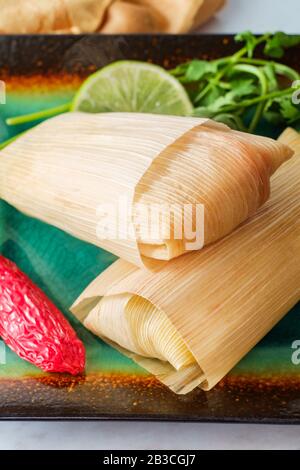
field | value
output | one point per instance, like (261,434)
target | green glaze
(62,266)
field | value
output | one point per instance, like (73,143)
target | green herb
(242,90)
(276,44)
(250,41)
(281,110)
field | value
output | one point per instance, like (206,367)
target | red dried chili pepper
(33,327)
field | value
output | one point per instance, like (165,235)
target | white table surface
(259,16)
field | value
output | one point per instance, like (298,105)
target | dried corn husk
(193,321)
(107,16)
(63,170)
(51,16)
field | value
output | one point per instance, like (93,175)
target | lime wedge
(132,86)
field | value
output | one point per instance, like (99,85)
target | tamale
(190,323)
(90,174)
(51,16)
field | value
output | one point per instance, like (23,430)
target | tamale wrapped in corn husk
(190,323)
(89,174)
(51,16)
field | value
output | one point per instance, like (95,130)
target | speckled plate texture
(44,71)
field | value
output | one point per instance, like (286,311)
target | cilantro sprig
(239,89)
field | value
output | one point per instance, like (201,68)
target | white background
(259,16)
(256,15)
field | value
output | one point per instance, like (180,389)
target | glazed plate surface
(45,71)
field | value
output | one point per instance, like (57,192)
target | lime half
(132,86)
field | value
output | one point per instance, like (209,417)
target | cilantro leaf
(200,69)
(214,93)
(222,102)
(242,87)
(179,70)
(282,110)
(250,41)
(280,41)
(288,110)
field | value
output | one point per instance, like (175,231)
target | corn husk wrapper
(107,16)
(51,16)
(193,321)
(87,174)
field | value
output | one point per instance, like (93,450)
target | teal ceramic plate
(265,387)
